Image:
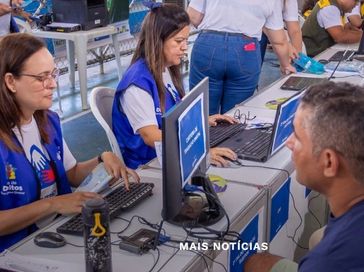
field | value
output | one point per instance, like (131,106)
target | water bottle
(95,215)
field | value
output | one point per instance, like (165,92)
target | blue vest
(19,185)
(135,151)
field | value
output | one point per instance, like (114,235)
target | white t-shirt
(355,11)
(138,105)
(239,16)
(329,16)
(290,10)
(5,20)
(39,159)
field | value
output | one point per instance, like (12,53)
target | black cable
(311,212)
(293,200)
(239,163)
(337,65)
(219,235)
(299,225)
(156,261)
(174,254)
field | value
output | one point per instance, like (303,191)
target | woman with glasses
(37,169)
(153,84)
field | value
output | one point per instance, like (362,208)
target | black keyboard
(297,83)
(257,144)
(119,200)
(338,56)
(223,131)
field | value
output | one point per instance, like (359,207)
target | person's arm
(195,16)
(295,34)
(150,135)
(13,220)
(279,43)
(4,9)
(341,35)
(112,164)
(261,262)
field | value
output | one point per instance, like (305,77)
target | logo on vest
(10,171)
(41,165)
(158,111)
(11,186)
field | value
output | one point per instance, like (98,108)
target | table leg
(116,45)
(71,61)
(81,51)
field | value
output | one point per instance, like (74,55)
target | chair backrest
(101,101)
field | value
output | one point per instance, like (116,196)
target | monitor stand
(199,208)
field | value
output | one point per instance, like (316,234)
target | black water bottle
(95,214)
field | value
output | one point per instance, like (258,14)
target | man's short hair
(337,121)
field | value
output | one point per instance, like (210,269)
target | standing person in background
(227,49)
(6,21)
(290,18)
(153,84)
(325,26)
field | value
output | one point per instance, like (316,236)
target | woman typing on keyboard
(37,169)
(153,84)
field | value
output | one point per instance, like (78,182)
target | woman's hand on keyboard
(220,156)
(117,169)
(214,119)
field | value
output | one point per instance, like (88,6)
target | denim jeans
(231,61)
(263,45)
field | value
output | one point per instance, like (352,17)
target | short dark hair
(337,121)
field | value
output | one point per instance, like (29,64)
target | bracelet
(99,158)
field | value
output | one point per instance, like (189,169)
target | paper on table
(259,123)
(16,262)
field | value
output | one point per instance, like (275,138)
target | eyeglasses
(243,117)
(46,80)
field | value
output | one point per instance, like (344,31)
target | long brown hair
(160,24)
(15,50)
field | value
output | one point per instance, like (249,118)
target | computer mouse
(323,61)
(49,239)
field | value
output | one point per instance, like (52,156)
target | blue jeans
(263,45)
(232,63)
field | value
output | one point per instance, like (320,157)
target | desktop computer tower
(88,13)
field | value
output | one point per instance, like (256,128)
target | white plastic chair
(101,101)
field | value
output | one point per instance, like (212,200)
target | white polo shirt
(239,16)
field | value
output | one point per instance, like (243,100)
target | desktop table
(248,203)
(250,191)
(77,42)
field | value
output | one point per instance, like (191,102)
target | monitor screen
(191,138)
(284,121)
(185,146)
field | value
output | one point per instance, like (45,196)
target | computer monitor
(185,146)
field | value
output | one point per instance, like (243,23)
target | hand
(288,70)
(117,169)
(70,203)
(219,117)
(217,156)
(292,52)
(4,9)
(17,3)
